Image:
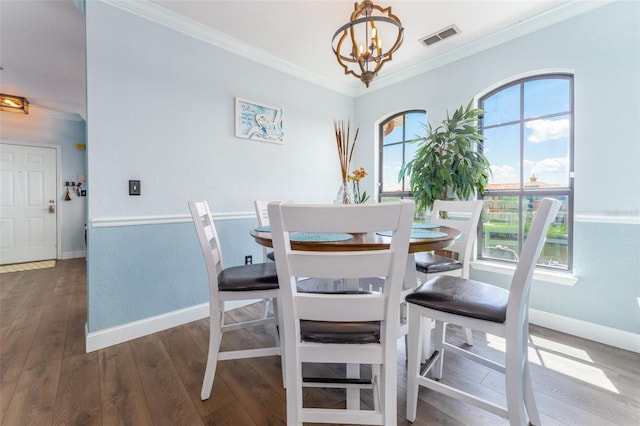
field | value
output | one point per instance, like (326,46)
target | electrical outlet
(248,260)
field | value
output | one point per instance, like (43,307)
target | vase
(345,194)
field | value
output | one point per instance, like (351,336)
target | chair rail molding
(109,222)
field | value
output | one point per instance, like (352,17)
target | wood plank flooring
(46,378)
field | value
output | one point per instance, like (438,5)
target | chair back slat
(354,308)
(464,216)
(340,265)
(340,218)
(262,214)
(208,238)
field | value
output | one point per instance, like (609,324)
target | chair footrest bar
(336,383)
(327,385)
(475,358)
(325,415)
(427,365)
(463,396)
(247,324)
(248,353)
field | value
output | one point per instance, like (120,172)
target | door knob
(52,206)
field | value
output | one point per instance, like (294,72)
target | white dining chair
(237,283)
(455,260)
(349,327)
(262,215)
(487,308)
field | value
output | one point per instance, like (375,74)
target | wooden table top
(368,241)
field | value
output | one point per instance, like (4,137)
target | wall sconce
(12,103)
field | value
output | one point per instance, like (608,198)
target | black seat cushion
(259,276)
(340,332)
(430,263)
(461,296)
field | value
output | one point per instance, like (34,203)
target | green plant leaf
(447,160)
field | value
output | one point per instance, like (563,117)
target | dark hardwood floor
(46,378)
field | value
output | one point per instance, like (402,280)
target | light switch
(134,187)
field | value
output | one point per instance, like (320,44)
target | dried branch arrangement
(345,148)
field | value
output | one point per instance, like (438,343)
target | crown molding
(52,113)
(199,31)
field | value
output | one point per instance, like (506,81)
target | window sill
(555,277)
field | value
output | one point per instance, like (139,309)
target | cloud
(504,174)
(544,130)
(551,165)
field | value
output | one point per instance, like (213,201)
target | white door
(28,206)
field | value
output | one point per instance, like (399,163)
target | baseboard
(73,254)
(133,330)
(586,330)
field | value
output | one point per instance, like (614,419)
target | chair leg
(265,307)
(215,326)
(468,336)
(427,325)
(389,392)
(276,320)
(353,395)
(277,315)
(377,391)
(440,332)
(529,398)
(414,354)
(514,377)
(294,390)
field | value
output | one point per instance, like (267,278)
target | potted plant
(448,162)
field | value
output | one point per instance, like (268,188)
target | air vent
(440,35)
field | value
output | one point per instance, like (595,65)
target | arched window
(396,134)
(528,130)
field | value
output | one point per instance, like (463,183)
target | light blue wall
(51,128)
(161,109)
(602,47)
(147,270)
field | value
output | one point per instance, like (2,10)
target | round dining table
(367,241)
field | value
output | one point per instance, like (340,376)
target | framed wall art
(259,122)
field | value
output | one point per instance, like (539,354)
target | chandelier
(360,42)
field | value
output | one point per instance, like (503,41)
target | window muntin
(528,129)
(396,134)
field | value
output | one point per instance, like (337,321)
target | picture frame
(258,122)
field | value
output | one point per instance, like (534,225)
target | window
(528,130)
(396,134)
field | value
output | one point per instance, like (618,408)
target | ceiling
(42,47)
